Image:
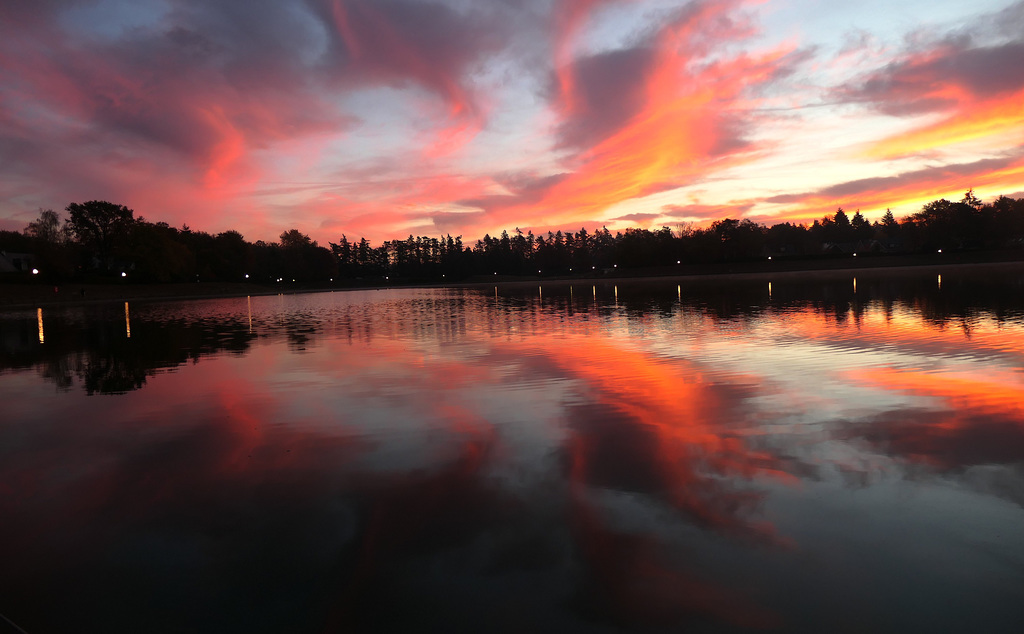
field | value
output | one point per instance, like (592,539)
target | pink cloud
(395,116)
(188,117)
(685,116)
(401,41)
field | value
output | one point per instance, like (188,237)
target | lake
(804,454)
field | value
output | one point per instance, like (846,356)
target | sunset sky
(384,118)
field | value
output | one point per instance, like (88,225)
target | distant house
(16,262)
(892,245)
(852,248)
(839,247)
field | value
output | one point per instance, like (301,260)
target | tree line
(99,239)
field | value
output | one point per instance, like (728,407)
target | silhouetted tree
(942,224)
(1008,221)
(47,228)
(302,259)
(233,259)
(889,221)
(861,228)
(971,200)
(105,235)
(101,226)
(159,255)
(14,241)
(49,240)
(786,239)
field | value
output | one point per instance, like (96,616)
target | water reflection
(98,350)
(960,423)
(636,458)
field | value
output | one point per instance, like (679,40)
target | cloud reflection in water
(575,464)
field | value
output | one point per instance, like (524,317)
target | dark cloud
(525,188)
(706,211)
(920,81)
(640,218)
(452,222)
(609,92)
(945,172)
(953,172)
(25,13)
(176,102)
(1009,22)
(207,72)
(398,41)
(948,442)
(528,184)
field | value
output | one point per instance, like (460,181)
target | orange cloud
(977,91)
(1001,120)
(687,125)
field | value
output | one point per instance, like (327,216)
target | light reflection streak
(39,318)
(127,322)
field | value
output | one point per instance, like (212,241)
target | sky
(389,118)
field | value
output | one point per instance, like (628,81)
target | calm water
(820,456)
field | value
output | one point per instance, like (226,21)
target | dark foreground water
(819,456)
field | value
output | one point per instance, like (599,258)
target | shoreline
(34,295)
